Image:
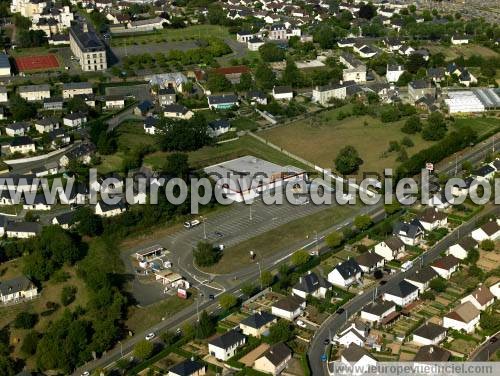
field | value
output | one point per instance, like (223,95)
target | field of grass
(481,125)
(280,238)
(172,35)
(320,137)
(210,155)
(453,52)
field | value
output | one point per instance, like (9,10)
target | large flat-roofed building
(4,65)
(88,48)
(247,177)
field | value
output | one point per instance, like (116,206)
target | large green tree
(347,160)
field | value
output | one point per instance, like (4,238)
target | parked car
(150,336)
(301,323)
(191,224)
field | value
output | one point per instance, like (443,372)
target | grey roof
(75,116)
(221,99)
(87,41)
(484,170)
(65,218)
(311,283)
(348,268)
(21,140)
(378,308)
(31,88)
(369,259)
(166,91)
(423,275)
(151,122)
(177,108)
(219,124)
(277,353)
(289,303)
(420,84)
(258,320)
(77,85)
(187,368)
(402,289)
(282,89)
(17,126)
(429,331)
(14,285)
(436,72)
(432,353)
(256,94)
(23,227)
(4,60)
(227,339)
(354,353)
(410,230)
(108,207)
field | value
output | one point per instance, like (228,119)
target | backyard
(453,52)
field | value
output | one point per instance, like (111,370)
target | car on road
(383,282)
(150,336)
(211,297)
(301,323)
(326,341)
(218,234)
(191,224)
(86,373)
(340,311)
(493,339)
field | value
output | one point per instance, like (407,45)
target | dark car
(493,339)
(340,311)
(218,234)
(211,297)
(383,282)
(326,341)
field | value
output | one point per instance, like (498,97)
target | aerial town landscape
(163,128)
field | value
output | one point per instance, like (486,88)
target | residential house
(218,127)
(432,354)
(485,173)
(274,360)
(282,93)
(54,104)
(436,74)
(244,36)
(394,71)
(256,97)
(377,311)
(225,346)
(4,65)
(365,51)
(222,102)
(255,43)
(277,32)
(461,249)
(345,274)
(46,124)
(58,138)
(356,333)
(495,289)
(34,93)
(470,184)
(420,88)
(17,289)
(311,284)
(166,96)
(39,203)
(409,233)
(429,334)
(324,94)
(391,248)
(466,78)
(346,42)
(359,358)
(69,90)
(446,266)
(481,298)
(147,25)
(234,73)
(22,145)
(143,108)
(355,69)
(64,220)
(75,119)
(17,129)
(370,261)
(22,230)
(490,230)
(422,278)
(83,153)
(464,317)
(440,201)
(150,125)
(458,39)
(258,324)
(431,219)
(289,308)
(401,294)
(114,102)
(177,111)
(50,168)
(103,209)
(188,367)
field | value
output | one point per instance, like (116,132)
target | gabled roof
(108,207)
(282,89)
(467,243)
(482,295)
(77,85)
(31,227)
(21,140)
(311,283)
(431,215)
(484,170)
(354,353)
(410,230)
(446,263)
(402,289)
(219,124)
(432,353)
(186,368)
(14,285)
(222,99)
(289,303)
(65,218)
(177,108)
(227,339)
(465,312)
(369,259)
(348,268)
(490,227)
(423,275)
(258,320)
(430,331)
(378,308)
(394,243)
(277,353)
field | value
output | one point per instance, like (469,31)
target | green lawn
(280,238)
(481,125)
(172,35)
(210,155)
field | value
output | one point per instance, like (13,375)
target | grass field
(171,35)
(479,124)
(280,238)
(210,155)
(453,52)
(320,137)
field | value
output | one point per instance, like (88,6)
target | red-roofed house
(233,74)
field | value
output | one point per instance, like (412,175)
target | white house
(370,261)
(495,289)
(69,90)
(21,144)
(482,298)
(394,72)
(459,39)
(431,354)
(464,317)
(446,266)
(3,92)
(258,324)
(311,284)
(22,230)
(150,125)
(376,311)
(359,358)
(17,129)
(225,346)
(255,43)
(274,360)
(109,210)
(422,278)
(283,93)
(490,230)
(432,219)
(39,203)
(46,124)
(177,111)
(429,334)
(345,274)
(218,127)
(34,92)
(289,308)
(391,248)
(401,294)
(462,248)
(74,119)
(17,289)
(354,333)
(409,233)
(114,102)
(485,173)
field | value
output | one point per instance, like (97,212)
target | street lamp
(260,274)
(204,228)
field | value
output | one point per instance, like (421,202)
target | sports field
(36,62)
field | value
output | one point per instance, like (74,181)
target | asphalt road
(486,351)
